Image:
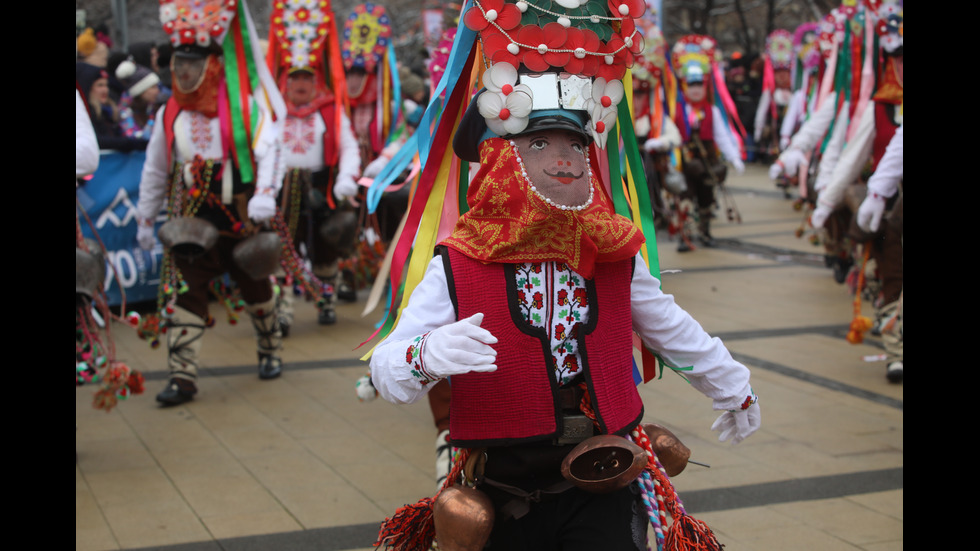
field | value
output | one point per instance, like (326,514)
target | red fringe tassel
(411,529)
(690,534)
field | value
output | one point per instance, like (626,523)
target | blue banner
(108,200)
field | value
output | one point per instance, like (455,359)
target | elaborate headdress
(889,29)
(695,59)
(805,46)
(303,37)
(367,47)
(367,37)
(779,49)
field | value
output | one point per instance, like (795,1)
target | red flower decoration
(612,66)
(551,37)
(584,41)
(507,16)
(632,37)
(627,8)
(495,44)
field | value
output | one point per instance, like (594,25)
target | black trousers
(572,520)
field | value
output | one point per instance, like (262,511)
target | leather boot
(265,320)
(704,227)
(326,312)
(185,331)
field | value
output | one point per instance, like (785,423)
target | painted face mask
(556,168)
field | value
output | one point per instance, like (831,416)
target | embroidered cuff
(413,356)
(747,402)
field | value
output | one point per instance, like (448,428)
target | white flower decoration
(168,12)
(603,107)
(505,105)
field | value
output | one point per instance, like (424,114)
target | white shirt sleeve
(155,177)
(891,167)
(723,137)
(86,144)
(429,307)
(349,153)
(267,146)
(669,133)
(853,158)
(761,114)
(666,328)
(793,112)
(815,128)
(831,153)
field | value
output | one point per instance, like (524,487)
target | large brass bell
(339,232)
(604,464)
(463,518)
(188,237)
(258,255)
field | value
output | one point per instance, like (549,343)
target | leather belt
(570,397)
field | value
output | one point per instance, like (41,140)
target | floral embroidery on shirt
(200,131)
(553,297)
(299,134)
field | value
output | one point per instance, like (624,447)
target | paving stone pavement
(299,463)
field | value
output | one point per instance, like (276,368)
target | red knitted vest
(518,402)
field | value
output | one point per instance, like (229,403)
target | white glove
(739,166)
(870,212)
(820,215)
(374,167)
(789,162)
(460,347)
(738,425)
(775,170)
(261,207)
(345,187)
(784,142)
(655,144)
(145,236)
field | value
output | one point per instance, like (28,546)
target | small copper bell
(604,464)
(463,518)
(671,452)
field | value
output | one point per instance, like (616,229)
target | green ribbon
(240,130)
(645,205)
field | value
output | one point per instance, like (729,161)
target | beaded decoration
(95,351)
(585,37)
(530,184)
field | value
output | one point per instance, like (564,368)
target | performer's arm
(155,176)
(668,329)
(429,307)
